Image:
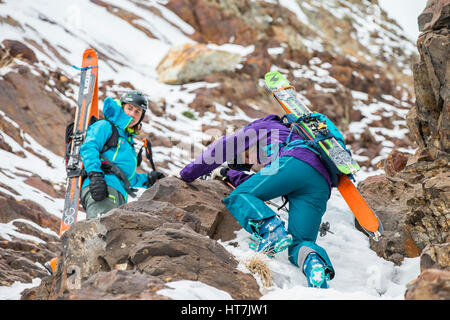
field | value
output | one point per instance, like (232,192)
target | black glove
(97,186)
(153,177)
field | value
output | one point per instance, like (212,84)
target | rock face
(340,71)
(434,281)
(435,15)
(203,198)
(24,98)
(415,194)
(319,54)
(19,50)
(144,244)
(429,120)
(23,255)
(192,62)
(432,284)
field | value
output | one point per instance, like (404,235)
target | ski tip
(63,228)
(270,74)
(51,265)
(375,235)
(90,55)
(90,51)
(275,80)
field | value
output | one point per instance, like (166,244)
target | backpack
(110,143)
(292,122)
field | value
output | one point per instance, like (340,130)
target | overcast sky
(405,12)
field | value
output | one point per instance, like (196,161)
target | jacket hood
(114,113)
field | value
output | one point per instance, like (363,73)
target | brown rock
(42,114)
(11,209)
(144,242)
(203,198)
(215,22)
(23,259)
(45,186)
(436,15)
(395,162)
(429,120)
(385,196)
(432,284)
(119,285)
(192,62)
(19,50)
(435,256)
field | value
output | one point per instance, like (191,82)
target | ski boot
(269,236)
(315,271)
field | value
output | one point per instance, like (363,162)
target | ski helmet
(137,99)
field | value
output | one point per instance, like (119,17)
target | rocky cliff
(150,242)
(414,205)
(201,64)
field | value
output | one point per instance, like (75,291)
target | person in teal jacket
(105,189)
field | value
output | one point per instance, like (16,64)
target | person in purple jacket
(292,170)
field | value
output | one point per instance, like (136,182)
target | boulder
(432,284)
(435,15)
(192,62)
(19,50)
(436,256)
(413,205)
(119,285)
(22,257)
(385,197)
(413,197)
(201,197)
(151,241)
(11,209)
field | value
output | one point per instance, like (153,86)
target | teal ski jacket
(123,155)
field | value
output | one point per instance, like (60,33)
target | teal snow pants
(307,192)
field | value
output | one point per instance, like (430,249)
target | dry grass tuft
(257,264)
(5,58)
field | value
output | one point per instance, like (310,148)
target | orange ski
(87,107)
(366,218)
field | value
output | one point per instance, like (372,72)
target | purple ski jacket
(267,134)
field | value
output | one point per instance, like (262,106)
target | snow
(193,290)
(14,291)
(233,48)
(295,8)
(275,51)
(360,273)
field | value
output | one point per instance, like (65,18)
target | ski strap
(281,89)
(85,68)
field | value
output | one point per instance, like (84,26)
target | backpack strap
(110,168)
(113,140)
